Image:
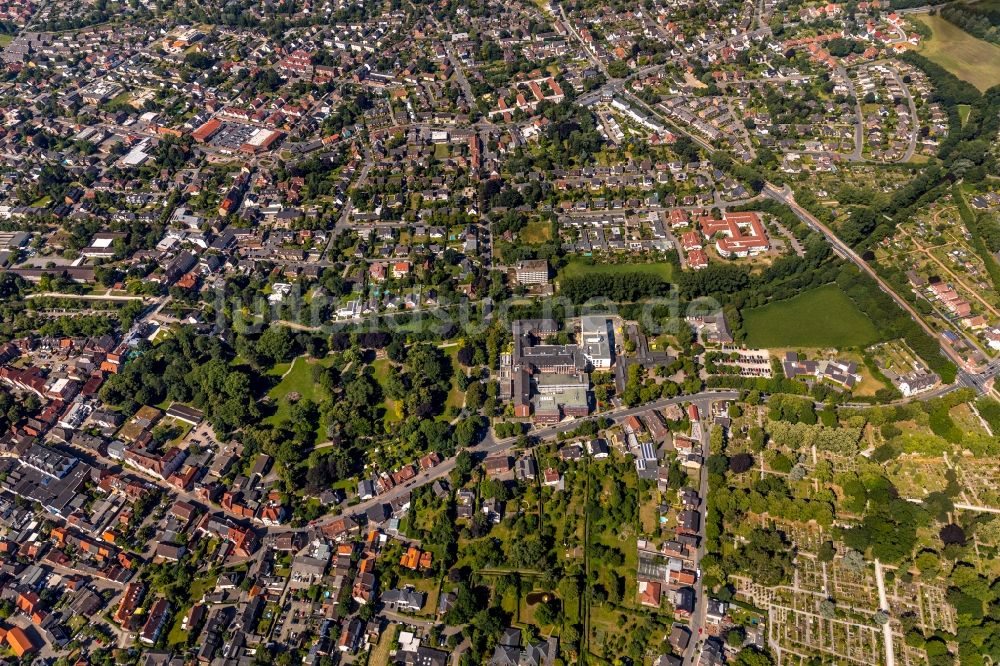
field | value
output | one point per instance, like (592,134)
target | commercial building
(596,340)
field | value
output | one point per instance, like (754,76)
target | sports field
(963,55)
(821,317)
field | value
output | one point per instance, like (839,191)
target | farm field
(821,317)
(965,56)
(577,267)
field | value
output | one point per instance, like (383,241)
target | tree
(853,561)
(466,355)
(571,636)
(475,395)
(686,149)
(464,608)
(767,556)
(752,656)
(952,534)
(740,463)
(546,613)
(781,463)
(463,464)
(276,344)
(469,431)
(618,69)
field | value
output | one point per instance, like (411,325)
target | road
(719,202)
(890,656)
(29,26)
(953,276)
(914,119)
(590,55)
(666,116)
(490,446)
(85,297)
(859,122)
(691,654)
(975,378)
(345,215)
(786,197)
(353,321)
(761,20)
(980,509)
(614,86)
(463,82)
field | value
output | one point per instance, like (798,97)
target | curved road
(490,446)
(974,378)
(786,197)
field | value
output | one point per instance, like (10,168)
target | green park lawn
(393,409)
(456,396)
(821,317)
(963,112)
(299,379)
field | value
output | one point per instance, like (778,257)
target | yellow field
(963,55)
(536,232)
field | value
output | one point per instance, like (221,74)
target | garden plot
(978,477)
(906,655)
(915,476)
(806,536)
(859,587)
(807,633)
(925,600)
(811,575)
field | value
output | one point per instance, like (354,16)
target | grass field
(6,39)
(821,317)
(297,380)
(963,113)
(963,55)
(380,655)
(579,266)
(536,232)
(176,635)
(393,409)
(456,396)
(649,514)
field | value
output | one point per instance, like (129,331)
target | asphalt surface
(490,446)
(972,379)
